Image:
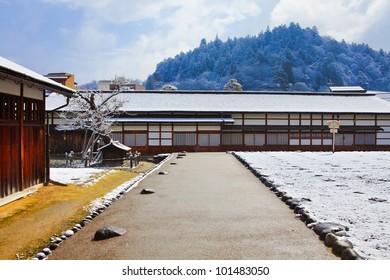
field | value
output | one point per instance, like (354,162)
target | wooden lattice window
(9,107)
(33,110)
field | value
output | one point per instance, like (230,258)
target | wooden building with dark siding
(22,129)
(154,122)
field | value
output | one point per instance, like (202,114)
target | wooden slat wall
(22,143)
(10,180)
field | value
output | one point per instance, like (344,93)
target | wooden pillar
(20,115)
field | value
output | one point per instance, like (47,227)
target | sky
(102,39)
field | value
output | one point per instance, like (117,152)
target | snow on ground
(349,188)
(76,175)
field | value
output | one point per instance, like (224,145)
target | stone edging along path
(95,209)
(333,234)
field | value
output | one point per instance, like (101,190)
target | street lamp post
(334,126)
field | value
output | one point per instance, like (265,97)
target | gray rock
(299,209)
(162,173)
(340,245)
(147,191)
(310,220)
(350,254)
(330,239)
(41,256)
(53,246)
(108,232)
(322,229)
(328,225)
(69,233)
(46,251)
(286,197)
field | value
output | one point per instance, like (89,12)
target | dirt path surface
(208,206)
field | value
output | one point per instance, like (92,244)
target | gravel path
(207,206)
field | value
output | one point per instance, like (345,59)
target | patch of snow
(87,176)
(349,188)
(125,187)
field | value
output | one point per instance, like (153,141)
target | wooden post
(333,126)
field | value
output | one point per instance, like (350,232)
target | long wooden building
(22,129)
(160,121)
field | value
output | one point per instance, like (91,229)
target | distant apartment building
(65,79)
(118,84)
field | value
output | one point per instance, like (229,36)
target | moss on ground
(27,224)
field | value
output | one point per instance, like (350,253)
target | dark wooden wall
(22,143)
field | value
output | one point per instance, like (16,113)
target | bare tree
(90,111)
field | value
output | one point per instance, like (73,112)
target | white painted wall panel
(33,93)
(254,122)
(166,128)
(10,87)
(136,127)
(316,142)
(364,123)
(153,142)
(166,135)
(116,128)
(254,116)
(184,128)
(166,142)
(209,128)
(383,142)
(154,128)
(383,135)
(277,122)
(327,142)
(384,122)
(154,135)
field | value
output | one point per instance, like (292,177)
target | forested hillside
(286,58)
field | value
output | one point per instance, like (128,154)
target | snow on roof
(347,89)
(116,144)
(54,100)
(252,102)
(142,102)
(175,120)
(23,72)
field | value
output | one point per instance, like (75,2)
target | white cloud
(341,19)
(169,27)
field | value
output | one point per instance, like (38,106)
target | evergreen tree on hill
(286,57)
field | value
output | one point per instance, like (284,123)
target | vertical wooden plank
(21,137)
